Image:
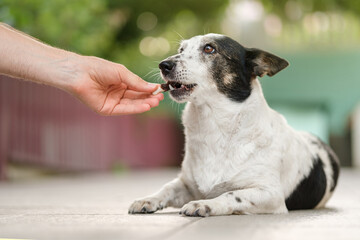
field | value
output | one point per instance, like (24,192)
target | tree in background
(134,33)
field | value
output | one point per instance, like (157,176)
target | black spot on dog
(234,66)
(260,62)
(336,170)
(230,63)
(334,162)
(238,199)
(310,190)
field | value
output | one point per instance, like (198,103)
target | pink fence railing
(45,126)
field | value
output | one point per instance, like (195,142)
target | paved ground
(95,207)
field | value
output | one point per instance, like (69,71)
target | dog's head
(211,64)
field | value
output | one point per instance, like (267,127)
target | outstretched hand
(111,89)
(106,87)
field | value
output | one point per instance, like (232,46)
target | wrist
(64,70)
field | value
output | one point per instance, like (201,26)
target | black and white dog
(241,157)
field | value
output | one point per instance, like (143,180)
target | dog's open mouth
(177,86)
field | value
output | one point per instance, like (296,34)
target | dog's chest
(212,152)
(209,166)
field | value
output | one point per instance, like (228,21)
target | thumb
(135,82)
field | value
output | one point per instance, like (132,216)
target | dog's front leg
(173,194)
(245,201)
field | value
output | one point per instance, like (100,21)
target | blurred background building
(44,127)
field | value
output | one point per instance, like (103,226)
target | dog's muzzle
(178,89)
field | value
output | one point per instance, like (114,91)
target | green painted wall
(327,81)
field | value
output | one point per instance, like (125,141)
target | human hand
(111,89)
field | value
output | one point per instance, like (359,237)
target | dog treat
(163,88)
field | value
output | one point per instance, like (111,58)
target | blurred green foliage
(80,26)
(108,28)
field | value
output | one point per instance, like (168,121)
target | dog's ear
(261,62)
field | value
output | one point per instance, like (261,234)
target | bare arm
(106,87)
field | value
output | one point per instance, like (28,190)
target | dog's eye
(209,49)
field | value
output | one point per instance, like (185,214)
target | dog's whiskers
(154,75)
(182,38)
(150,72)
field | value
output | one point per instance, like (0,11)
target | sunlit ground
(95,207)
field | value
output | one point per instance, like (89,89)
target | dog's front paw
(146,205)
(196,209)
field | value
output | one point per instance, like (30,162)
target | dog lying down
(241,157)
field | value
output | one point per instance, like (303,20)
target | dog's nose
(166,67)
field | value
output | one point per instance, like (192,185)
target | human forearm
(22,56)
(106,87)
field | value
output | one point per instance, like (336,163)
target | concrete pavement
(95,207)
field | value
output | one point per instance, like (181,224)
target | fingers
(128,106)
(131,109)
(141,95)
(135,82)
(119,101)
(152,102)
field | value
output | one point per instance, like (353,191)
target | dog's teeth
(171,87)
